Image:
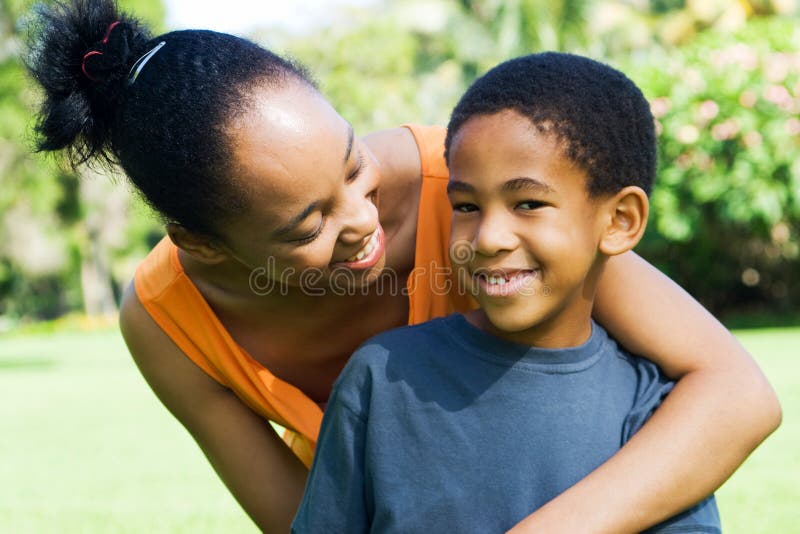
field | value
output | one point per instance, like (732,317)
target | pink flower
(687,134)
(780,233)
(777,67)
(778,94)
(725,130)
(708,110)
(748,98)
(793,126)
(752,139)
(660,106)
(684,161)
(740,55)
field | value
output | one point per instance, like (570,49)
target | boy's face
(522,213)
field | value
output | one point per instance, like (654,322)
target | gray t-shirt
(441,427)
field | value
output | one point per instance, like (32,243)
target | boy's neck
(556,333)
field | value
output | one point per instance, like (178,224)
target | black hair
(167,129)
(600,116)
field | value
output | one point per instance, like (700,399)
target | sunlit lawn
(86,447)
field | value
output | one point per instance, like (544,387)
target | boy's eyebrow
(515,184)
(523,182)
(454,186)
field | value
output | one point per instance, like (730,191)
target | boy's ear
(201,247)
(627,219)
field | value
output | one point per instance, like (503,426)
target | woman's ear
(627,220)
(199,246)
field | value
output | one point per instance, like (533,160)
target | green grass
(763,496)
(86,447)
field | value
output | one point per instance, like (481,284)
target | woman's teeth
(367,250)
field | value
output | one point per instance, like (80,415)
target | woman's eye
(464,207)
(310,237)
(530,204)
(358,168)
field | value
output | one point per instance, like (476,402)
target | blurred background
(90,449)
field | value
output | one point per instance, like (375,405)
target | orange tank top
(177,306)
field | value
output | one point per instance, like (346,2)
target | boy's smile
(523,208)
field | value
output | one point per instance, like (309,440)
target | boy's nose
(493,236)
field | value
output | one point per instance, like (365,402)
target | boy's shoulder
(404,342)
(366,372)
(410,339)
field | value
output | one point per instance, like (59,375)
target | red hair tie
(97,52)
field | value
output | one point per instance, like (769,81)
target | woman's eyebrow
(350,136)
(288,227)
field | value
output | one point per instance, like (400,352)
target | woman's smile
(368,255)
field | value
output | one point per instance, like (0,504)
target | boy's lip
(379,245)
(514,281)
(505,272)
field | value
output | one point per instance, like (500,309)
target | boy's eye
(530,204)
(464,207)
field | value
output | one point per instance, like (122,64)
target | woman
(289,243)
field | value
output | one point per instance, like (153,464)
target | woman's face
(311,186)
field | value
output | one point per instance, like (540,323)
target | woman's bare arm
(721,408)
(251,459)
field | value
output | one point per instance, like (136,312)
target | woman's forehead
(290,148)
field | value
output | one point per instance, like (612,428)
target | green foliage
(363,64)
(56,224)
(725,216)
(724,213)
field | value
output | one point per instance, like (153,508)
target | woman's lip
(368,260)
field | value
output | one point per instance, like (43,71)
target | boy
(471,422)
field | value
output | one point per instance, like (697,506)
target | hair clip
(91,53)
(140,63)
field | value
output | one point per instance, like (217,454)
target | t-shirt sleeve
(651,389)
(702,518)
(334,499)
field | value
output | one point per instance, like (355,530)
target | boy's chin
(510,322)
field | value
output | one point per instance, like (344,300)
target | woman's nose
(360,219)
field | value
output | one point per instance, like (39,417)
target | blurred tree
(61,237)
(70,239)
(725,218)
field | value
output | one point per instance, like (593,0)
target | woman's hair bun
(108,60)
(80,53)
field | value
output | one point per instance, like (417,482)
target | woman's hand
(721,408)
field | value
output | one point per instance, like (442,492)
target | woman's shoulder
(408,153)
(397,155)
(165,367)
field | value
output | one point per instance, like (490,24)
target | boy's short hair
(600,116)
